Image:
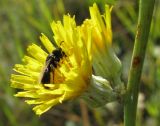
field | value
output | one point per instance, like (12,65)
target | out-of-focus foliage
(22,21)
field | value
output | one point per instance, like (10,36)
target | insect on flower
(64,70)
(52,61)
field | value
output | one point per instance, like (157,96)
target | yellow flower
(68,79)
(105,61)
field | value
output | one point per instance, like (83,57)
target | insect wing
(45,79)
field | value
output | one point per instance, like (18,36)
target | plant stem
(144,21)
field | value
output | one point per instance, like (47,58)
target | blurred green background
(22,22)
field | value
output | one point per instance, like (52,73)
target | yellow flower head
(105,61)
(102,26)
(66,78)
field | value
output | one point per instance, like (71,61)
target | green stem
(144,21)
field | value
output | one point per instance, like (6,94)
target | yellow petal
(37,53)
(39,109)
(47,43)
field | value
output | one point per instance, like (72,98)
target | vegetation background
(22,22)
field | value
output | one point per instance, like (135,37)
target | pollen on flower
(59,74)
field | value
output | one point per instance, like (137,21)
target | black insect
(51,64)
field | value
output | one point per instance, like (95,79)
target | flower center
(61,72)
